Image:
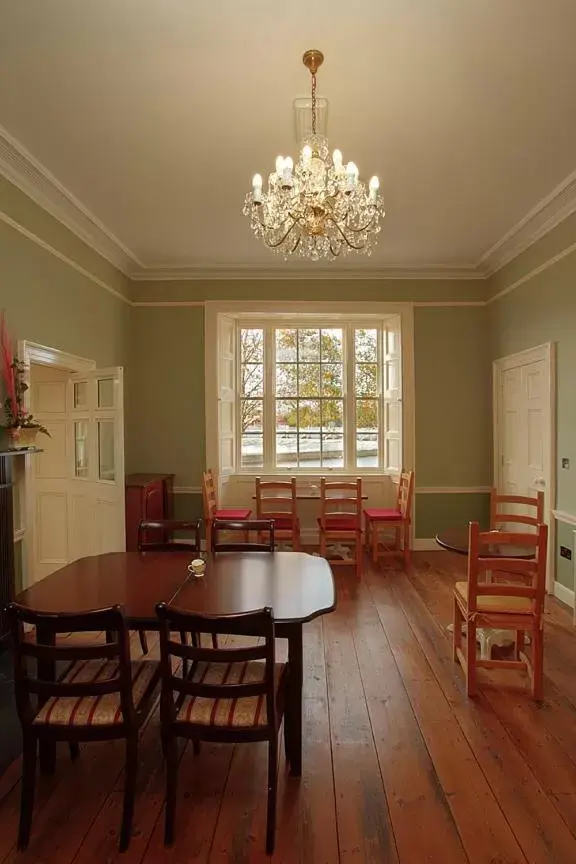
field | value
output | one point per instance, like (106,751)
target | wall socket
(565,552)
(565,462)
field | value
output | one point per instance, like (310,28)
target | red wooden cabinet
(148,496)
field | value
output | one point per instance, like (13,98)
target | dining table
(298,587)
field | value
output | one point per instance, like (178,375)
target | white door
(78,485)
(523,425)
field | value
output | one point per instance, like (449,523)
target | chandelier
(318,207)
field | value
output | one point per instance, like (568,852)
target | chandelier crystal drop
(317,207)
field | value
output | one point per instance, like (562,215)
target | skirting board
(565,595)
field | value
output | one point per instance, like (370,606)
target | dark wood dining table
(457,540)
(298,588)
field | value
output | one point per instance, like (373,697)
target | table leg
(293,709)
(46,672)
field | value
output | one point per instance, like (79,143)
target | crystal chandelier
(316,208)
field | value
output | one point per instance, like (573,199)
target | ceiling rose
(317,208)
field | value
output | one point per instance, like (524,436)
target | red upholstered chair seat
(383,514)
(232,514)
(344,523)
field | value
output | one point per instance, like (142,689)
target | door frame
(546,353)
(41,355)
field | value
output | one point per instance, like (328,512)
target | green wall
(539,310)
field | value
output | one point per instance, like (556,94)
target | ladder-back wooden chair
(340,518)
(232,694)
(276,500)
(398,519)
(101,694)
(516,607)
(213,511)
(502,517)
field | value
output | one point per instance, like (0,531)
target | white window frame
(349,396)
(299,313)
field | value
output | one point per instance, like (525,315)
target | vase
(21,437)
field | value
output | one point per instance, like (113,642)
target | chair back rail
(276,499)
(209,495)
(165,529)
(498,516)
(405,492)
(340,500)
(261,526)
(533,570)
(27,681)
(258,624)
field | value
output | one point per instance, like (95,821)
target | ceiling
(153,115)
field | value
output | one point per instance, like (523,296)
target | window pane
(309,379)
(286,415)
(332,451)
(309,414)
(366,383)
(331,346)
(309,346)
(81,394)
(252,346)
(332,414)
(106,393)
(252,453)
(286,379)
(106,467)
(252,379)
(367,450)
(81,448)
(332,379)
(366,414)
(287,451)
(366,345)
(286,342)
(250,416)
(309,450)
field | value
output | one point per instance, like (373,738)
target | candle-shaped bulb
(337,159)
(257,188)
(279,165)
(374,185)
(287,170)
(306,155)
(351,174)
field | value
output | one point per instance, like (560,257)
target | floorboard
(399,765)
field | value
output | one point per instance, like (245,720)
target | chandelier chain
(314,103)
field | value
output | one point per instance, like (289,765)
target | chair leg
(359,554)
(130,772)
(29,748)
(171,781)
(184,641)
(375,541)
(143,641)
(406,532)
(322,544)
(74,748)
(457,632)
(519,644)
(214,640)
(538,664)
(272,790)
(471,658)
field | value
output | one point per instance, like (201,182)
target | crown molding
(194,274)
(23,170)
(546,215)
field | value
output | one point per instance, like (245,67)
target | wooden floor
(399,766)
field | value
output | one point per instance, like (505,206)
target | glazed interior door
(97,470)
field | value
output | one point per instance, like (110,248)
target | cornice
(194,274)
(23,170)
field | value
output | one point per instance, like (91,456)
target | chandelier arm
(282,239)
(343,235)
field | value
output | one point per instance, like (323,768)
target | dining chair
(231,695)
(213,511)
(157,535)
(498,516)
(260,526)
(397,518)
(101,694)
(276,500)
(340,518)
(511,606)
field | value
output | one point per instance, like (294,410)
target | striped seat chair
(100,695)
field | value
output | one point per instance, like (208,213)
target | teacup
(197,567)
